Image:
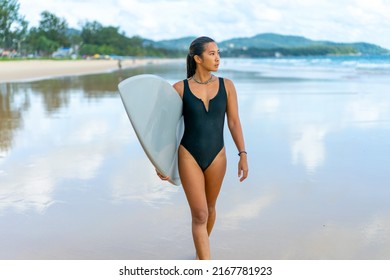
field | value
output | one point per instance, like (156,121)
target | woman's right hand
(162,177)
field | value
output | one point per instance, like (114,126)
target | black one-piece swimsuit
(203,129)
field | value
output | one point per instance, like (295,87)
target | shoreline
(33,70)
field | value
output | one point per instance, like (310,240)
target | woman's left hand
(243,167)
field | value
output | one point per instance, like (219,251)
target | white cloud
(144,184)
(342,20)
(251,210)
(365,112)
(309,147)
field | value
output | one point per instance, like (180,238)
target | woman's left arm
(235,128)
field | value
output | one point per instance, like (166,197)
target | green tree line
(53,33)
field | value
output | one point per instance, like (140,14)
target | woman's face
(210,57)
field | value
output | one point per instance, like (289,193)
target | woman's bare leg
(202,190)
(214,175)
(193,182)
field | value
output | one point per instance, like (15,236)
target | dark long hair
(196,48)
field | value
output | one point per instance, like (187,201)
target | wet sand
(28,70)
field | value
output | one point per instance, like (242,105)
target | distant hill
(174,44)
(276,41)
(267,41)
(271,44)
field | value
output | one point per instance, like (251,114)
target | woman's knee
(200,216)
(211,210)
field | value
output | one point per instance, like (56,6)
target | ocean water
(75,183)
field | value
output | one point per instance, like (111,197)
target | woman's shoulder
(179,87)
(228,84)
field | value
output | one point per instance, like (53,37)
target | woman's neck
(202,76)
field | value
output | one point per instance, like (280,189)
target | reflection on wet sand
(11,110)
(56,95)
(60,138)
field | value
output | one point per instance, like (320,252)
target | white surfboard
(155,112)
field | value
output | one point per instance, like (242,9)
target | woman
(201,156)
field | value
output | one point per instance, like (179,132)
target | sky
(334,20)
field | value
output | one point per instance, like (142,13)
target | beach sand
(27,70)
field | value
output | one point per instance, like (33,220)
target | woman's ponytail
(191,66)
